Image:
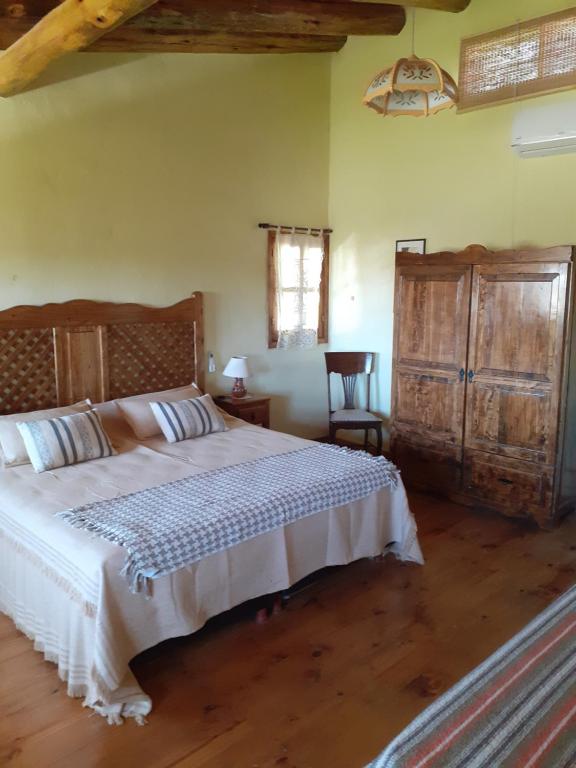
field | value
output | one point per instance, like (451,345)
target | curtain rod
(312,230)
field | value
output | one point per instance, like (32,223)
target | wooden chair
(350,365)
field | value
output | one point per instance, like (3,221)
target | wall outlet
(211,363)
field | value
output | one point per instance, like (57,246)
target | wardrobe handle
(470,376)
(462,374)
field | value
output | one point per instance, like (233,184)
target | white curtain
(298,260)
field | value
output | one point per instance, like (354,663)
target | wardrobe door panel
(515,421)
(515,360)
(432,317)
(430,403)
(432,307)
(431,329)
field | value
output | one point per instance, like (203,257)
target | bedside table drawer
(256,414)
(254,410)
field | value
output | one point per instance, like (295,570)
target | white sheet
(62,586)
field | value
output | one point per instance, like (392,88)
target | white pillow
(12,446)
(111,418)
(136,410)
(66,440)
(185,419)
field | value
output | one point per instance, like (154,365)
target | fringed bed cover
(516,710)
(63,586)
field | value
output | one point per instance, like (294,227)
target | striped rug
(516,710)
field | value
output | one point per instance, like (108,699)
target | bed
(516,710)
(62,586)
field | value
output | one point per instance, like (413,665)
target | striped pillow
(66,440)
(12,449)
(188,418)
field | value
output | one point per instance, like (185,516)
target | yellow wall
(452,179)
(143,178)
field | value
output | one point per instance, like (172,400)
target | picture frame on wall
(411,246)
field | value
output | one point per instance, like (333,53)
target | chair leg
(379,436)
(332,433)
(366,439)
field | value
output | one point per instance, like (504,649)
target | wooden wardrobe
(484,378)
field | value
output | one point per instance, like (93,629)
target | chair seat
(352,415)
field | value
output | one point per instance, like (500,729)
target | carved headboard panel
(61,353)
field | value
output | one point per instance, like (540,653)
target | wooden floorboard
(353,658)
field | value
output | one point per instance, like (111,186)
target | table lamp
(237,369)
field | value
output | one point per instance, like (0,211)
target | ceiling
(35,32)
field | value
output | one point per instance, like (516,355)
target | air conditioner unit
(541,131)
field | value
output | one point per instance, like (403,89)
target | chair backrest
(349,365)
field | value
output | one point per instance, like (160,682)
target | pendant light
(412,86)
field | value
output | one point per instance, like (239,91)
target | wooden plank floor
(329,682)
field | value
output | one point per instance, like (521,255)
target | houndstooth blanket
(178,523)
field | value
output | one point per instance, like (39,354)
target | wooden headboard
(60,353)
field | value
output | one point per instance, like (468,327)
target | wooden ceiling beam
(455,6)
(183,19)
(123,40)
(72,25)
(283,17)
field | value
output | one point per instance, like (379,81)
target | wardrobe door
(515,362)
(515,369)
(430,350)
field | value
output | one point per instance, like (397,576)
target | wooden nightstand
(253,409)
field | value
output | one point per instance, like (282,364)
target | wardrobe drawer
(516,488)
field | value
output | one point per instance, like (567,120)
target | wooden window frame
(524,90)
(272,280)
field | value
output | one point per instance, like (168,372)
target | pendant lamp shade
(412,86)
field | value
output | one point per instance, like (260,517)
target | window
(298,265)
(526,59)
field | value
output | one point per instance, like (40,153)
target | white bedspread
(63,588)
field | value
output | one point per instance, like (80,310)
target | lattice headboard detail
(61,353)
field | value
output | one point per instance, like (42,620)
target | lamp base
(239,390)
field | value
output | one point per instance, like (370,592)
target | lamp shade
(237,367)
(412,86)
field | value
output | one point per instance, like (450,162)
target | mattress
(63,588)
